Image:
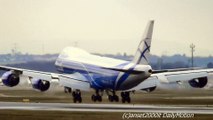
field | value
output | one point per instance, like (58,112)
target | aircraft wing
(181,76)
(178,77)
(75,81)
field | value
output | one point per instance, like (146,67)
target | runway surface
(198,109)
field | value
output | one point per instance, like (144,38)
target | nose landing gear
(77,96)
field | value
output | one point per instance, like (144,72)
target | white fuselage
(92,67)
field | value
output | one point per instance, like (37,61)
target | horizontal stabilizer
(125,70)
(176,70)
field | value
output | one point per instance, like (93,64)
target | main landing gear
(113,97)
(77,96)
(125,97)
(97,96)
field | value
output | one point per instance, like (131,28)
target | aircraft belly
(132,81)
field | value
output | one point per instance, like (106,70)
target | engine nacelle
(41,85)
(10,79)
(199,82)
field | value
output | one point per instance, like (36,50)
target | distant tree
(178,64)
(210,65)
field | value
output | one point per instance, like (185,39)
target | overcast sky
(106,26)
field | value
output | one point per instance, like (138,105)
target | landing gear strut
(113,97)
(77,96)
(125,97)
(97,97)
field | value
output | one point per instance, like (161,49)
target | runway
(198,109)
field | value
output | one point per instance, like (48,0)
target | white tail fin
(143,51)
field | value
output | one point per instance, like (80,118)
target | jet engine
(41,85)
(10,79)
(198,82)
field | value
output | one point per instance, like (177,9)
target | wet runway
(198,109)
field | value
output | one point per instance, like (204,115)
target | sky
(106,26)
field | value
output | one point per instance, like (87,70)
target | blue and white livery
(82,71)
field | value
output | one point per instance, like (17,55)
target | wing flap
(39,75)
(74,84)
